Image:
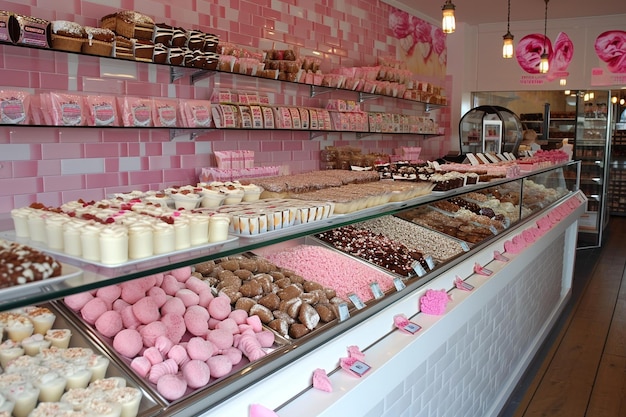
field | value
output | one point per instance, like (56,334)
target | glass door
(592,148)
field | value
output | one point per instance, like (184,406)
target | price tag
(492,158)
(502,157)
(412,328)
(399,284)
(499,257)
(378,293)
(360,368)
(418,268)
(483,159)
(493,229)
(344,311)
(465,247)
(356,301)
(482,271)
(430,262)
(472,159)
(462,285)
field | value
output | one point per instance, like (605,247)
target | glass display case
(490,129)
(593,149)
(466,219)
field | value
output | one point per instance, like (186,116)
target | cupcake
(9,350)
(128,398)
(51,384)
(20,328)
(32,345)
(67,36)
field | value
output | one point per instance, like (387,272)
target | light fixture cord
(508,18)
(545,27)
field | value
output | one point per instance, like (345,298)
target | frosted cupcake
(218,227)
(20,220)
(98,365)
(164,237)
(41,317)
(182,232)
(37,226)
(199,228)
(186,200)
(140,240)
(72,244)
(20,391)
(211,198)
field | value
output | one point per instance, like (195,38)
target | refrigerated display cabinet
(492,129)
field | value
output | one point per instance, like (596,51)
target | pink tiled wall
(53,165)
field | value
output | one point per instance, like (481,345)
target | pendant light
(507,45)
(448,24)
(544,64)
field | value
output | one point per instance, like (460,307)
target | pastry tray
(68,274)
(106,344)
(10,235)
(150,405)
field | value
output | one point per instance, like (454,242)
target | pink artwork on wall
(530,48)
(421,45)
(610,47)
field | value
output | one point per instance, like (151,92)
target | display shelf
(95,276)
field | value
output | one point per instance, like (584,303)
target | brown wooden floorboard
(583,373)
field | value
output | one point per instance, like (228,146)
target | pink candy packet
(135,111)
(14,107)
(164,112)
(66,109)
(195,113)
(102,111)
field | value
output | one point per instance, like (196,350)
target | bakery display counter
(304,311)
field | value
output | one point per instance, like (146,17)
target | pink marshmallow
(93,310)
(173,306)
(172,387)
(219,365)
(153,355)
(196,373)
(175,325)
(200,349)
(167,367)
(109,323)
(197,320)
(233,354)
(132,292)
(188,297)
(213,323)
(220,308)
(255,322)
(158,295)
(178,354)
(119,305)
(239,316)
(109,293)
(128,318)
(196,285)
(228,324)
(205,298)
(128,343)
(151,332)
(221,338)
(141,366)
(250,346)
(77,301)
(146,282)
(163,344)
(181,274)
(265,338)
(170,285)
(146,310)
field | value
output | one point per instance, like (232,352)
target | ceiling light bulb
(448,24)
(544,64)
(507,46)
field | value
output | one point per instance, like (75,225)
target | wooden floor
(581,370)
